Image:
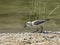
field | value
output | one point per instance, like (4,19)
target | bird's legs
(36,30)
(41,29)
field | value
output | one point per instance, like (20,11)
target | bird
(36,24)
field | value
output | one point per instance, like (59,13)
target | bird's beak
(25,26)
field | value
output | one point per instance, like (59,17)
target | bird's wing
(39,22)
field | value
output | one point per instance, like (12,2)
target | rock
(29,39)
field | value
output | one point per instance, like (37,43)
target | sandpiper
(36,24)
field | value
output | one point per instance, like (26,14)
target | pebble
(28,39)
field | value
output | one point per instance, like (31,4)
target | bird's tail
(47,19)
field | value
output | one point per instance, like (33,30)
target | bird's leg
(36,30)
(41,29)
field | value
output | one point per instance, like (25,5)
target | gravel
(29,39)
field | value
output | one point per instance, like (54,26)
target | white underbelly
(36,26)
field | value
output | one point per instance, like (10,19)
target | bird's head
(27,24)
